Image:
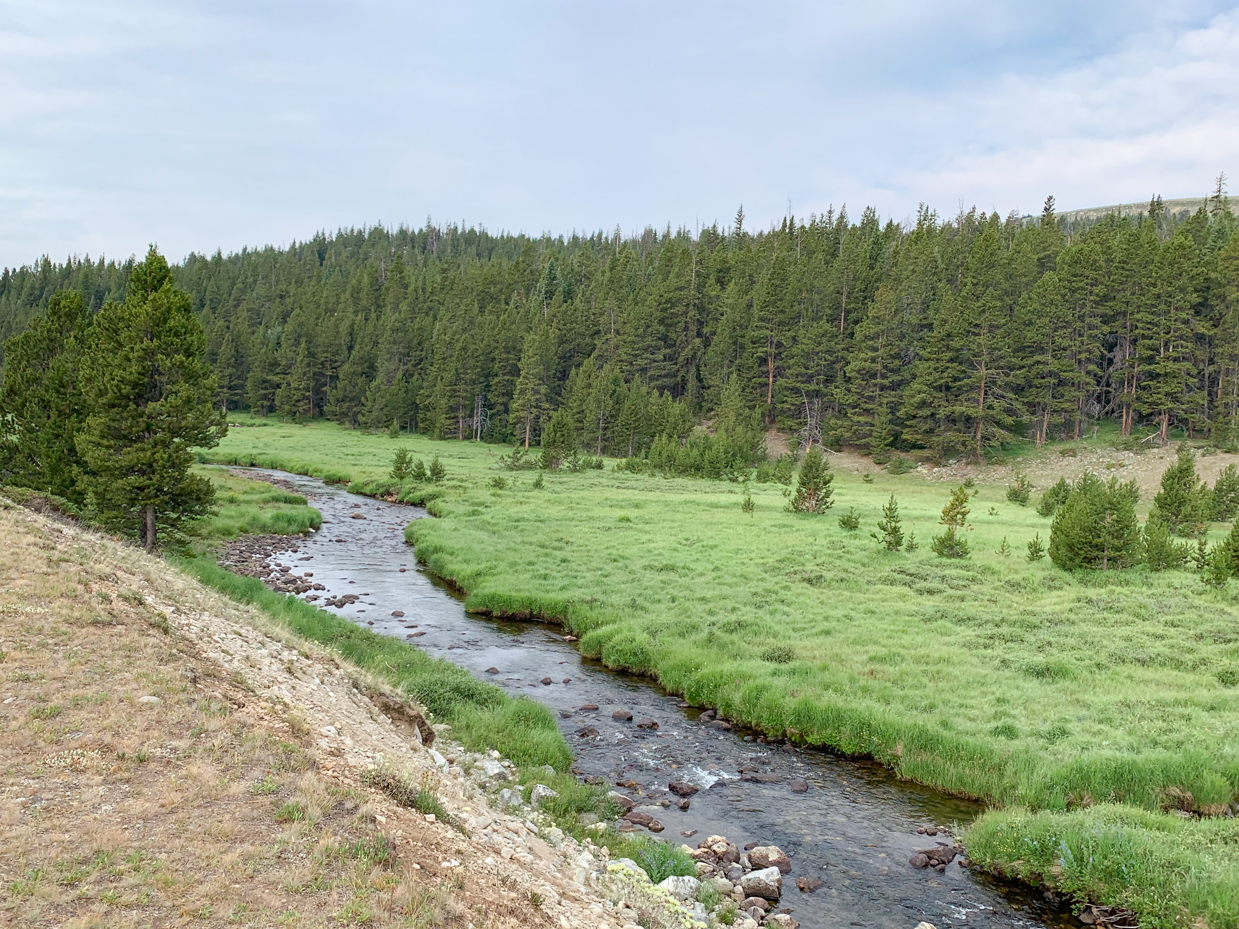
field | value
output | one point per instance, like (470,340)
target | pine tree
(1226,494)
(41,402)
(1160,549)
(531,401)
(890,527)
(150,392)
(1096,527)
(402,465)
(1183,502)
(813,490)
(950,544)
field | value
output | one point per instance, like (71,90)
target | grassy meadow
(1012,682)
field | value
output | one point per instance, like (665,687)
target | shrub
(436,472)
(849,521)
(518,460)
(746,505)
(1036,549)
(1021,490)
(901,465)
(779,654)
(1053,498)
(813,491)
(498,483)
(418,473)
(401,465)
(891,527)
(1218,567)
(1096,528)
(1226,494)
(1004,549)
(910,545)
(950,544)
(1183,502)
(1161,551)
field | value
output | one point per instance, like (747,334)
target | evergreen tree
(559,440)
(1183,502)
(402,465)
(1161,551)
(813,490)
(890,527)
(149,391)
(41,402)
(950,544)
(1096,527)
(1226,494)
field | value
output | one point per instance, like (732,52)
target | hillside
(170,758)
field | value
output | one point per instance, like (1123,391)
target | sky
(222,124)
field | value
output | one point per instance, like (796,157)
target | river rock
(587,708)
(683,889)
(357,515)
(681,789)
(539,793)
(766,883)
(547,681)
(799,786)
(924,925)
(397,613)
(647,723)
(782,921)
(770,856)
(734,872)
(637,818)
(587,732)
(725,887)
(682,804)
(492,670)
(624,803)
(806,885)
(655,826)
(755,903)
(938,856)
(623,716)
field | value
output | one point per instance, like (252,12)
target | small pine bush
(1036,549)
(849,521)
(418,472)
(436,472)
(1161,551)
(401,465)
(538,483)
(1053,498)
(911,546)
(891,528)
(813,491)
(955,517)
(867,478)
(1004,549)
(1226,494)
(1183,502)
(746,505)
(950,544)
(1218,567)
(901,465)
(498,483)
(1096,528)
(1200,554)
(1021,490)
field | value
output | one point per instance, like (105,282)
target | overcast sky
(225,124)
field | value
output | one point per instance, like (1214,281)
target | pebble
(622,715)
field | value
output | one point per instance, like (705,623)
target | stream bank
(849,824)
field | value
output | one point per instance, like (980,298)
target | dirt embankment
(170,758)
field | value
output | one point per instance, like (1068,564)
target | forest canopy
(947,336)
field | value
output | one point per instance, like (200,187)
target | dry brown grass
(141,784)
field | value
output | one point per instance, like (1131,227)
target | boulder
(756,903)
(647,723)
(799,786)
(587,732)
(547,681)
(638,818)
(624,803)
(510,797)
(623,716)
(397,613)
(683,889)
(807,885)
(539,793)
(493,769)
(770,856)
(681,789)
(766,883)
(783,921)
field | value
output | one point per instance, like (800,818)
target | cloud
(221,123)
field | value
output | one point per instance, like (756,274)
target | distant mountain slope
(1182,205)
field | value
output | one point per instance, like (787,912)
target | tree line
(102,409)
(939,337)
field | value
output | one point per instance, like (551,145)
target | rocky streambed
(862,848)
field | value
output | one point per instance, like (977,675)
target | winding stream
(854,829)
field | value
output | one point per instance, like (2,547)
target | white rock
(923,925)
(747,923)
(724,886)
(683,889)
(439,761)
(539,793)
(493,769)
(555,836)
(510,797)
(766,883)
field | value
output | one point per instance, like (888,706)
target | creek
(854,829)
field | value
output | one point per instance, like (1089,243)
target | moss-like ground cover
(992,677)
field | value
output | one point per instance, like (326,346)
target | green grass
(1173,872)
(1011,682)
(249,507)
